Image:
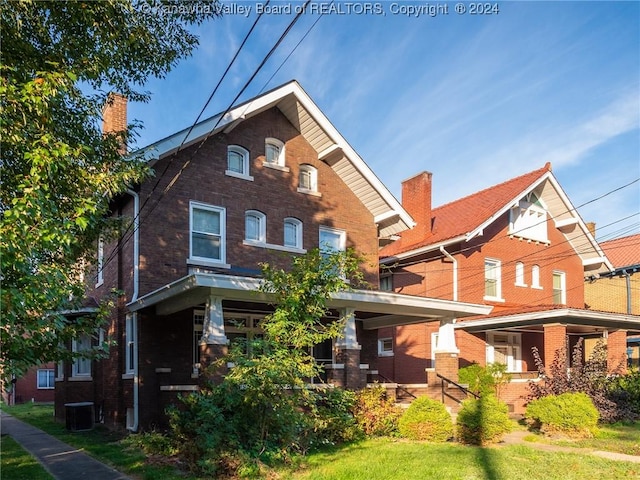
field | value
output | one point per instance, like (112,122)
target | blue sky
(474,99)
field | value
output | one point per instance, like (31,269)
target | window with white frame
(520,274)
(492,279)
(308,179)
(82,365)
(385,347)
(100,263)
(238,162)
(505,348)
(559,288)
(207,239)
(535,277)
(255,223)
(528,219)
(46,379)
(292,233)
(60,370)
(332,240)
(274,154)
(434,347)
(130,343)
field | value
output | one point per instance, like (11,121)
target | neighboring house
(270,178)
(37,385)
(518,246)
(619,290)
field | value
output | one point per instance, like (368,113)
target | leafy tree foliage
(263,410)
(59,171)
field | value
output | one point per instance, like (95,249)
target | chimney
(114,117)
(591,226)
(416,199)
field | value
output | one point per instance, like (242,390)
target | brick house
(269,178)
(619,290)
(36,385)
(519,247)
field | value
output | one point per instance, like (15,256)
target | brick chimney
(416,199)
(114,116)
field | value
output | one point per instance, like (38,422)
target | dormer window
(238,162)
(308,180)
(274,154)
(528,219)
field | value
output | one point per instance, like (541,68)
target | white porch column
(349,340)
(213,326)
(446,337)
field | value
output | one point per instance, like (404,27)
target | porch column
(617,352)
(213,344)
(348,353)
(447,351)
(555,339)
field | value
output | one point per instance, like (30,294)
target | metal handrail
(464,390)
(388,380)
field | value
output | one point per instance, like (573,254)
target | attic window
(528,219)
(274,154)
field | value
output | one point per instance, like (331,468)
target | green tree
(59,61)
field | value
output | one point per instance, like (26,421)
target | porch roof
(581,320)
(379,309)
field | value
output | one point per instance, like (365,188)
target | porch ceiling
(577,321)
(380,309)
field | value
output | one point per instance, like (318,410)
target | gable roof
(467,217)
(623,251)
(331,146)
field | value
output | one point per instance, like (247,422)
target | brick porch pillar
(617,352)
(213,345)
(555,338)
(349,354)
(447,351)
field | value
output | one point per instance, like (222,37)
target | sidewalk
(59,459)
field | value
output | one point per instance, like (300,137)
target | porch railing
(446,383)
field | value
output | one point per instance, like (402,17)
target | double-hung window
(520,274)
(492,279)
(255,226)
(100,263)
(130,343)
(292,233)
(308,179)
(332,240)
(81,365)
(238,162)
(207,240)
(46,378)
(559,288)
(274,155)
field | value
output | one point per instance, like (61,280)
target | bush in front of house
(426,419)
(570,414)
(376,414)
(483,420)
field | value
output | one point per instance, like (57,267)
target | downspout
(627,277)
(455,272)
(134,297)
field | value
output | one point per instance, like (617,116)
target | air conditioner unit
(79,416)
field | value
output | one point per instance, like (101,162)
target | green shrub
(624,390)
(571,414)
(484,380)
(376,415)
(483,420)
(426,419)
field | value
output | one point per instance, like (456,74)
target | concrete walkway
(518,438)
(62,461)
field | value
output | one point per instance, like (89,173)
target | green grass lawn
(384,459)
(18,464)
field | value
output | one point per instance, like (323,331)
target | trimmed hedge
(483,421)
(426,419)
(571,414)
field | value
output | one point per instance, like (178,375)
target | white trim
(496,266)
(261,220)
(272,246)
(231,173)
(179,388)
(381,351)
(221,211)
(279,164)
(244,154)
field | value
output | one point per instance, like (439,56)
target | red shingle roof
(624,251)
(466,214)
